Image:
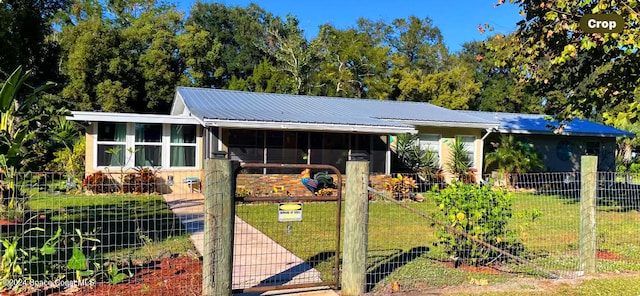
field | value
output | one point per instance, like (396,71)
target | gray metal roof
(215,104)
(539,124)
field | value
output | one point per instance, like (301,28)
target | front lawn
(401,244)
(118,221)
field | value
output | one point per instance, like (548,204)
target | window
(470,147)
(564,150)
(182,151)
(148,144)
(246,145)
(430,142)
(593,148)
(111,143)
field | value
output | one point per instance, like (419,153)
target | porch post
(387,158)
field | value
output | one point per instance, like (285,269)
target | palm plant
(425,162)
(15,131)
(513,156)
(459,164)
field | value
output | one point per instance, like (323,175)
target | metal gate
(283,239)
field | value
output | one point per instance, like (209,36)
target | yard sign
(290,211)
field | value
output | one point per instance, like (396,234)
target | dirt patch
(516,285)
(606,255)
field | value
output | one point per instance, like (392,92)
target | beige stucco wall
(89,147)
(449,134)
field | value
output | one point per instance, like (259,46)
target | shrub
(99,182)
(142,180)
(413,156)
(460,161)
(401,186)
(480,212)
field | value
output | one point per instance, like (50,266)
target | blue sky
(458,20)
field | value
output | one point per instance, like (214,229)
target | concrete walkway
(258,260)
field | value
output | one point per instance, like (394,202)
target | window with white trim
(111,144)
(430,142)
(470,146)
(182,149)
(148,145)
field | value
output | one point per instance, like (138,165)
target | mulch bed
(174,276)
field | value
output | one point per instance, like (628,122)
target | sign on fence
(290,211)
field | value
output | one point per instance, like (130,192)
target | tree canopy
(576,72)
(130,55)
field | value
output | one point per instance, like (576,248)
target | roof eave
(130,117)
(304,126)
(479,125)
(574,134)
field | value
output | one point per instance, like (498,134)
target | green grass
(141,226)
(401,243)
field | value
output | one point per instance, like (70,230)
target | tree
(451,88)
(25,31)
(513,156)
(199,53)
(417,44)
(352,65)
(500,90)
(591,71)
(241,33)
(121,57)
(422,69)
(291,52)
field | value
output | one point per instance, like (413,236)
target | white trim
(434,123)
(97,143)
(156,144)
(167,149)
(564,133)
(178,102)
(387,157)
(349,144)
(308,148)
(318,127)
(130,117)
(220,143)
(130,144)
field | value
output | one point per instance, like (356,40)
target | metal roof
(539,124)
(217,107)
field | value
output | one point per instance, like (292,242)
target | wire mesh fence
(98,236)
(285,235)
(447,236)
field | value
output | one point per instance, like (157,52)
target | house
(270,128)
(278,128)
(560,145)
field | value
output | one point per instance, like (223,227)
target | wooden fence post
(355,229)
(588,187)
(219,214)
